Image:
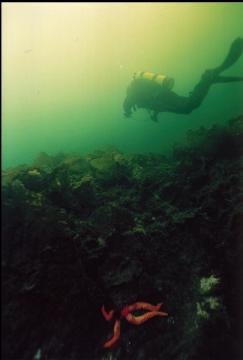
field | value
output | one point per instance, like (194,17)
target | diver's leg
(201,90)
(233,55)
(186,105)
(199,93)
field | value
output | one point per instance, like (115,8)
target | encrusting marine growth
(153,310)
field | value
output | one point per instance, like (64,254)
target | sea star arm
(143,306)
(138,320)
(107,315)
(115,337)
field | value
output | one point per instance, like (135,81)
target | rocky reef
(111,228)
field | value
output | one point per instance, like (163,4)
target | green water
(66,68)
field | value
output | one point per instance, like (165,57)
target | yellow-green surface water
(66,67)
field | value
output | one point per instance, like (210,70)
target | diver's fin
(226,79)
(233,55)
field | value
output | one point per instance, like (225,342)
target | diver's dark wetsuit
(148,94)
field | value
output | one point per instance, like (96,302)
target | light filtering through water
(66,67)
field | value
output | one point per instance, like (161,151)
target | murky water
(66,68)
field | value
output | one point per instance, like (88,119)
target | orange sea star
(153,310)
(115,337)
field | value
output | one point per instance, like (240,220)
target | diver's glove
(128,114)
(154,116)
(128,106)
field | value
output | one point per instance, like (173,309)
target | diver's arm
(129,103)
(128,106)
(154,116)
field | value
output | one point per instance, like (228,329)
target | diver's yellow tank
(162,80)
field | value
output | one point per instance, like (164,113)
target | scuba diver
(154,91)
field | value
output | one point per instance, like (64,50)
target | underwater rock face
(112,229)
